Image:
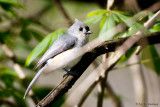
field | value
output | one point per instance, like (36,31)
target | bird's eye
(87,28)
(80,29)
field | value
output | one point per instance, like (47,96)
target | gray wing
(63,43)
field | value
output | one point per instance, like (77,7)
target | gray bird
(65,46)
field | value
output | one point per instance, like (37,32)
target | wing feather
(62,44)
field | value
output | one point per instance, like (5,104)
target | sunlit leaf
(7,72)
(122,17)
(43,45)
(120,35)
(136,27)
(103,21)
(96,13)
(116,18)
(106,24)
(11,2)
(156,27)
(151,53)
(93,19)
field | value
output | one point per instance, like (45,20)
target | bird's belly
(59,61)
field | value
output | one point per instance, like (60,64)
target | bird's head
(79,28)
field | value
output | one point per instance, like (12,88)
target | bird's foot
(69,73)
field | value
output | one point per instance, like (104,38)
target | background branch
(116,101)
(101,86)
(11,104)
(63,11)
(17,68)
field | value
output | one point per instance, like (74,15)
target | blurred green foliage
(25,33)
(44,45)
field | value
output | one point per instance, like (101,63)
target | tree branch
(64,13)
(101,86)
(86,60)
(111,93)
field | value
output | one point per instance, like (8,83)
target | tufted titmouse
(65,46)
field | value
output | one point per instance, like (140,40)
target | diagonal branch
(86,60)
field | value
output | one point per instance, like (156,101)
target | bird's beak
(88,32)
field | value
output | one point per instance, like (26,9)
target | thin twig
(139,62)
(89,90)
(64,13)
(86,94)
(101,87)
(111,93)
(110,4)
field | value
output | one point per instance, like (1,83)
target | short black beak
(88,32)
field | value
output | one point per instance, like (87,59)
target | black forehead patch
(87,28)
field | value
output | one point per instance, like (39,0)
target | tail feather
(34,80)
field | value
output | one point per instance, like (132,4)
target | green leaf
(7,76)
(37,35)
(11,2)
(121,35)
(43,45)
(103,21)
(56,35)
(116,18)
(96,13)
(5,93)
(106,24)
(150,52)
(121,16)
(7,72)
(127,56)
(5,37)
(156,27)
(93,19)
(136,27)
(41,92)
(18,97)
(25,34)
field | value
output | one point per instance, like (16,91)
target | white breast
(59,61)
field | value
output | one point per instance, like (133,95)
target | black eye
(87,28)
(80,29)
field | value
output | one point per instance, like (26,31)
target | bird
(65,46)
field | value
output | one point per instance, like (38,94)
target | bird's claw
(70,73)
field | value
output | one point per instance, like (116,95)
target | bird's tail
(34,80)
